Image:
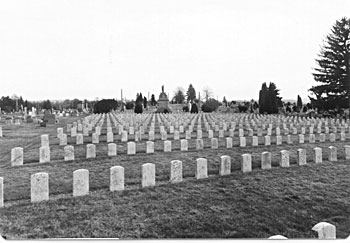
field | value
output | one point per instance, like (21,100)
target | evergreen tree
(299,103)
(263,97)
(145,102)
(153,100)
(191,94)
(179,96)
(334,70)
(224,101)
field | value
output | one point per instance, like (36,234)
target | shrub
(138,108)
(162,110)
(194,108)
(105,106)
(185,109)
(129,106)
(210,105)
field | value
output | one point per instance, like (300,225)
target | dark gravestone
(49,118)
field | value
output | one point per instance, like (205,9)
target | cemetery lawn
(258,204)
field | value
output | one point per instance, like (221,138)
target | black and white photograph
(174,119)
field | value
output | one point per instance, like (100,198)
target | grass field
(287,201)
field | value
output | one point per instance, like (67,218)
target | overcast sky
(56,49)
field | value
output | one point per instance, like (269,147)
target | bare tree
(208,92)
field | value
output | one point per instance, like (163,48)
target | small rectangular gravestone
(112,149)
(228,142)
(255,141)
(278,140)
(301,138)
(214,143)
(183,145)
(79,139)
(176,135)
(347,152)
(124,136)
(167,146)
(188,134)
(110,137)
(175,171)
(131,148)
(1,192)
(95,138)
(45,140)
(16,156)
(284,160)
(332,137)
(116,178)
(202,169)
(44,153)
(312,138)
(68,153)
(210,134)
(90,151)
(225,165)
(39,187)
(151,135)
(242,142)
(267,140)
(149,147)
(317,155)
(246,165)
(62,140)
(332,156)
(322,137)
(221,133)
(301,157)
(199,144)
(148,175)
(265,160)
(80,182)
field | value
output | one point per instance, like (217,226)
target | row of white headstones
(40,181)
(40,188)
(17,154)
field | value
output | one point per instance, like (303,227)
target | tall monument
(163,101)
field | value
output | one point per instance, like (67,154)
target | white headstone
(39,187)
(278,140)
(284,160)
(332,137)
(79,138)
(199,144)
(175,171)
(68,152)
(199,134)
(1,192)
(167,146)
(183,145)
(95,138)
(149,147)
(116,178)
(90,151)
(45,140)
(112,149)
(80,182)
(148,175)
(322,137)
(214,143)
(255,141)
(265,160)
(301,157)
(202,169)
(110,137)
(228,142)
(242,142)
(347,152)
(246,165)
(124,137)
(62,139)
(326,231)
(317,155)
(210,134)
(225,166)
(332,156)
(16,156)
(164,135)
(151,135)
(73,131)
(267,140)
(131,148)
(301,138)
(44,153)
(176,135)
(59,131)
